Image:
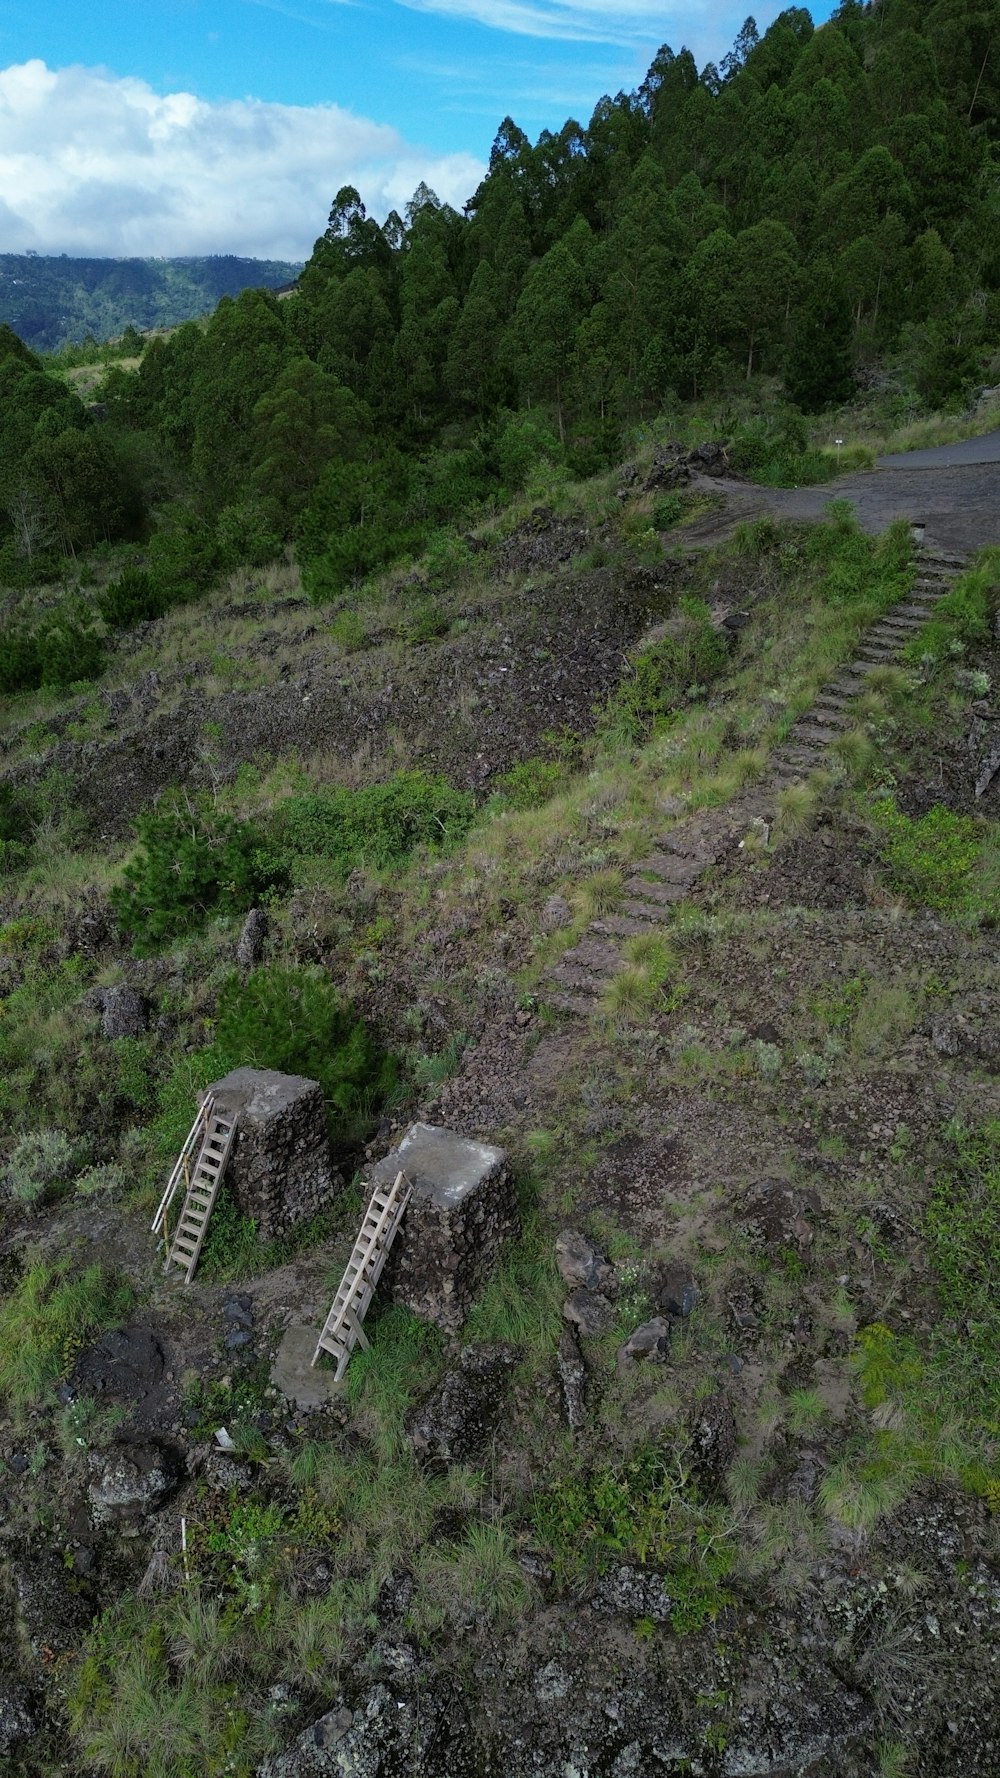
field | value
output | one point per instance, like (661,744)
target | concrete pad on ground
(292,1371)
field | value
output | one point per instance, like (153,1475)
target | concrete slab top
(292,1371)
(440,1164)
(259,1094)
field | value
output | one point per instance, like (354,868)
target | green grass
(940,860)
(53,1311)
(646,1511)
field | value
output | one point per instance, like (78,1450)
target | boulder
(634,1593)
(572,1376)
(651,1342)
(713,1442)
(17,1719)
(556,913)
(124,1013)
(125,1364)
(581,1264)
(460,1415)
(130,1480)
(250,946)
(675,1291)
(590,1312)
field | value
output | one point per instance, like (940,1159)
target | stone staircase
(683,855)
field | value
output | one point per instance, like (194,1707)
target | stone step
(813,734)
(655,912)
(645,889)
(799,761)
(693,842)
(671,868)
(878,655)
(832,713)
(850,684)
(572,1003)
(579,981)
(922,612)
(590,955)
(858,665)
(898,624)
(626,926)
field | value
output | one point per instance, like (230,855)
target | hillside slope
(56,301)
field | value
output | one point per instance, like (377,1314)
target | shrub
(667,511)
(20,662)
(103,1181)
(933,861)
(293,1020)
(134,598)
(530,784)
(679,667)
(61,650)
(644,1511)
(379,826)
(15,817)
(69,649)
(963,1232)
(192,863)
(41,1160)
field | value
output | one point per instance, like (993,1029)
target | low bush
(963,615)
(63,649)
(530,784)
(293,1020)
(16,828)
(963,1234)
(647,1511)
(41,1160)
(675,670)
(934,861)
(192,863)
(379,826)
(134,598)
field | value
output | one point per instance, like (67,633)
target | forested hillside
(56,301)
(821,212)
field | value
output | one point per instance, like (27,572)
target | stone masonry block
(462,1210)
(279,1171)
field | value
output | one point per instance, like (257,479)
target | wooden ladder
(342,1329)
(202,1183)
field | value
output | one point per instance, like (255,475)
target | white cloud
(706,26)
(94,164)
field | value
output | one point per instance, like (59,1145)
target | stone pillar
(279,1168)
(462,1210)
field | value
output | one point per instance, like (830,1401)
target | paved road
(953,491)
(951,456)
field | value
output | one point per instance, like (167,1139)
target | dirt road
(953,490)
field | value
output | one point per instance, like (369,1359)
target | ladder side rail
(361,1255)
(187,1243)
(343,1324)
(210,1206)
(185,1154)
(361,1258)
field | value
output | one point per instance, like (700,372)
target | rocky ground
(725,1186)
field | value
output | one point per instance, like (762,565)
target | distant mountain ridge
(54,301)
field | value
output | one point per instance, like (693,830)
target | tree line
(823,202)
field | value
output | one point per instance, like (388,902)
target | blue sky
(129,123)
